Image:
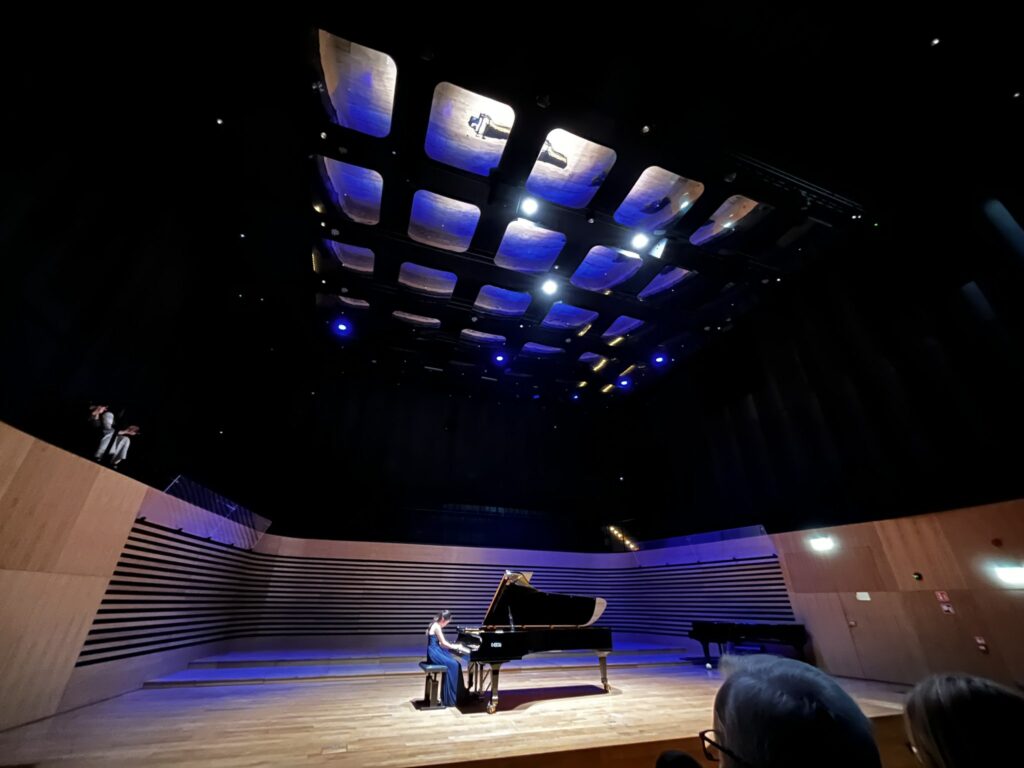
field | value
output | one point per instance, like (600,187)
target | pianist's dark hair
(443,615)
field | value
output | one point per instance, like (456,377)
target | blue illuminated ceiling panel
(569,169)
(355,190)
(467,130)
(442,222)
(663,281)
(498,301)
(657,198)
(360,85)
(604,268)
(433,282)
(529,248)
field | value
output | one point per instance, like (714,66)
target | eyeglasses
(914,751)
(713,750)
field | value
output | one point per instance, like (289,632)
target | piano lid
(517,603)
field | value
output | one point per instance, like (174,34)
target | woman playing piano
(439,652)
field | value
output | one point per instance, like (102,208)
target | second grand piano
(522,620)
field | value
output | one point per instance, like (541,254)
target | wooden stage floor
(371,721)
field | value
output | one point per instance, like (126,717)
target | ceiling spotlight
(684,204)
(640,240)
(590,219)
(499,358)
(528,206)
(1016,95)
(341,327)
(728,224)
(624,383)
(645,129)
(550,287)
(575,396)
(935,41)
(318,207)
(660,359)
(220,121)
(242,235)
(323,134)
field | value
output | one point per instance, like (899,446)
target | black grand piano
(725,632)
(522,620)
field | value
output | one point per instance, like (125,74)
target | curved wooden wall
(171,590)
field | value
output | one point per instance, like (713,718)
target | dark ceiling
(819,367)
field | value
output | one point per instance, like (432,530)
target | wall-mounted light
(822,543)
(1013,575)
(550,287)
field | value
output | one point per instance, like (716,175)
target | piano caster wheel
(607,688)
(492,708)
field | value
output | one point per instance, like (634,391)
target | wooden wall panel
(45,618)
(947,640)
(826,622)
(902,632)
(1003,611)
(63,523)
(14,447)
(40,506)
(917,544)
(885,641)
(971,534)
(857,563)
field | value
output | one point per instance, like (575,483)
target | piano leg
(706,644)
(602,659)
(492,706)
(478,677)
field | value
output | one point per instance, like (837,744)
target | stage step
(362,667)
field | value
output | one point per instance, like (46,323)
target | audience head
(959,720)
(673,758)
(779,713)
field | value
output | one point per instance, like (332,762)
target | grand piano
(522,620)
(725,632)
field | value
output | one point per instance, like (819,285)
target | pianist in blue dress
(439,651)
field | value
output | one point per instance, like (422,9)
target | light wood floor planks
(372,721)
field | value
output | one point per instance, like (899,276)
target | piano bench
(433,684)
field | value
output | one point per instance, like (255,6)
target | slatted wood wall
(172,590)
